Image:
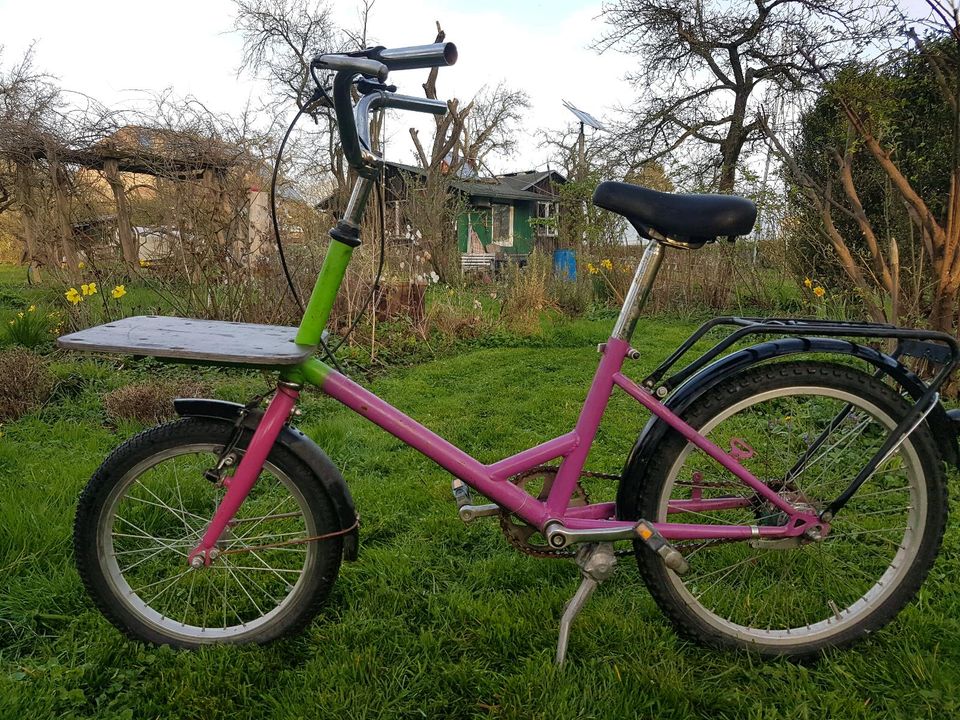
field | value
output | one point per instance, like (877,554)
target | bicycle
(776,501)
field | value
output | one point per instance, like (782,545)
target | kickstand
(597,562)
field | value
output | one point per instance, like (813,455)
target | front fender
(943,427)
(300,445)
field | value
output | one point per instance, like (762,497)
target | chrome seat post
(643,279)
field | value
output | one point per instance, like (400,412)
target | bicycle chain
(508,522)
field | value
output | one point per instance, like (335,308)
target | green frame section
(310,372)
(324,293)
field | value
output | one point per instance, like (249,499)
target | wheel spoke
(771,591)
(146,564)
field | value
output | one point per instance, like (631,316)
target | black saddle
(688,221)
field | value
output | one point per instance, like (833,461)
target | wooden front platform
(207,341)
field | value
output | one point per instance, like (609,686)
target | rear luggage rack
(937,347)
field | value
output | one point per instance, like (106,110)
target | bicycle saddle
(687,221)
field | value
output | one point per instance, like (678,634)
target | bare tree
(280,37)
(877,276)
(705,67)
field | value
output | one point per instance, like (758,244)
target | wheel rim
(156,515)
(785,597)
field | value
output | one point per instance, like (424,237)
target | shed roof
(512,186)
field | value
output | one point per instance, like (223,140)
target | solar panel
(584,117)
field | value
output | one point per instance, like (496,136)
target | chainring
(519,533)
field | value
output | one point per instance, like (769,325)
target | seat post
(643,279)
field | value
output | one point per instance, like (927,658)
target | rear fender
(944,427)
(300,445)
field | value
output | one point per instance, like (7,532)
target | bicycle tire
(685,600)
(299,579)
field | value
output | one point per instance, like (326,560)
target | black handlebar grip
(418,56)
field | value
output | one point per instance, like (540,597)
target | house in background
(507,216)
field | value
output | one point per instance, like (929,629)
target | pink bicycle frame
(595,521)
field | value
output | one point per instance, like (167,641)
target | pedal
(671,557)
(461,492)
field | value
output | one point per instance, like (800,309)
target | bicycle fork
(279,409)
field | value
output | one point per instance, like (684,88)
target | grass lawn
(436,619)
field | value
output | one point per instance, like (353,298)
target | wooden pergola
(132,149)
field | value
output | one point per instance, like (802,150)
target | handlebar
(354,65)
(377,62)
(417,56)
(400,102)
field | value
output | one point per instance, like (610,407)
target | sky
(114,50)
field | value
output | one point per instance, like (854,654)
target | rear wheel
(805,429)
(146,508)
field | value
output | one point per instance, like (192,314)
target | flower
(819,291)
(13,322)
(118,292)
(73,296)
(606,264)
(808,282)
(591,268)
(81,265)
(89,289)
(32,308)
(20,315)
(144,263)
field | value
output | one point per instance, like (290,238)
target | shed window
(547,214)
(503,225)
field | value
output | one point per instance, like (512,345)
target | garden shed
(510,214)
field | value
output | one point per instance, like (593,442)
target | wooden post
(68,248)
(129,244)
(33,255)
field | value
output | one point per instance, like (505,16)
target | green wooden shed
(507,214)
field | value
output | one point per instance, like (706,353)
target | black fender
(300,445)
(943,426)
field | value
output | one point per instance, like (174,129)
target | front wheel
(146,508)
(805,429)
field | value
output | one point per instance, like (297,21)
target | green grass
(437,619)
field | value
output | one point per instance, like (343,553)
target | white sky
(113,50)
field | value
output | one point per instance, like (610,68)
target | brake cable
(319,94)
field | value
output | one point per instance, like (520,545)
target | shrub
(25,383)
(32,328)
(527,294)
(149,402)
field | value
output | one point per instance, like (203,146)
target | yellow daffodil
(20,315)
(13,322)
(32,308)
(591,268)
(118,292)
(89,288)
(73,296)
(81,265)
(808,282)
(819,291)
(144,263)
(606,264)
